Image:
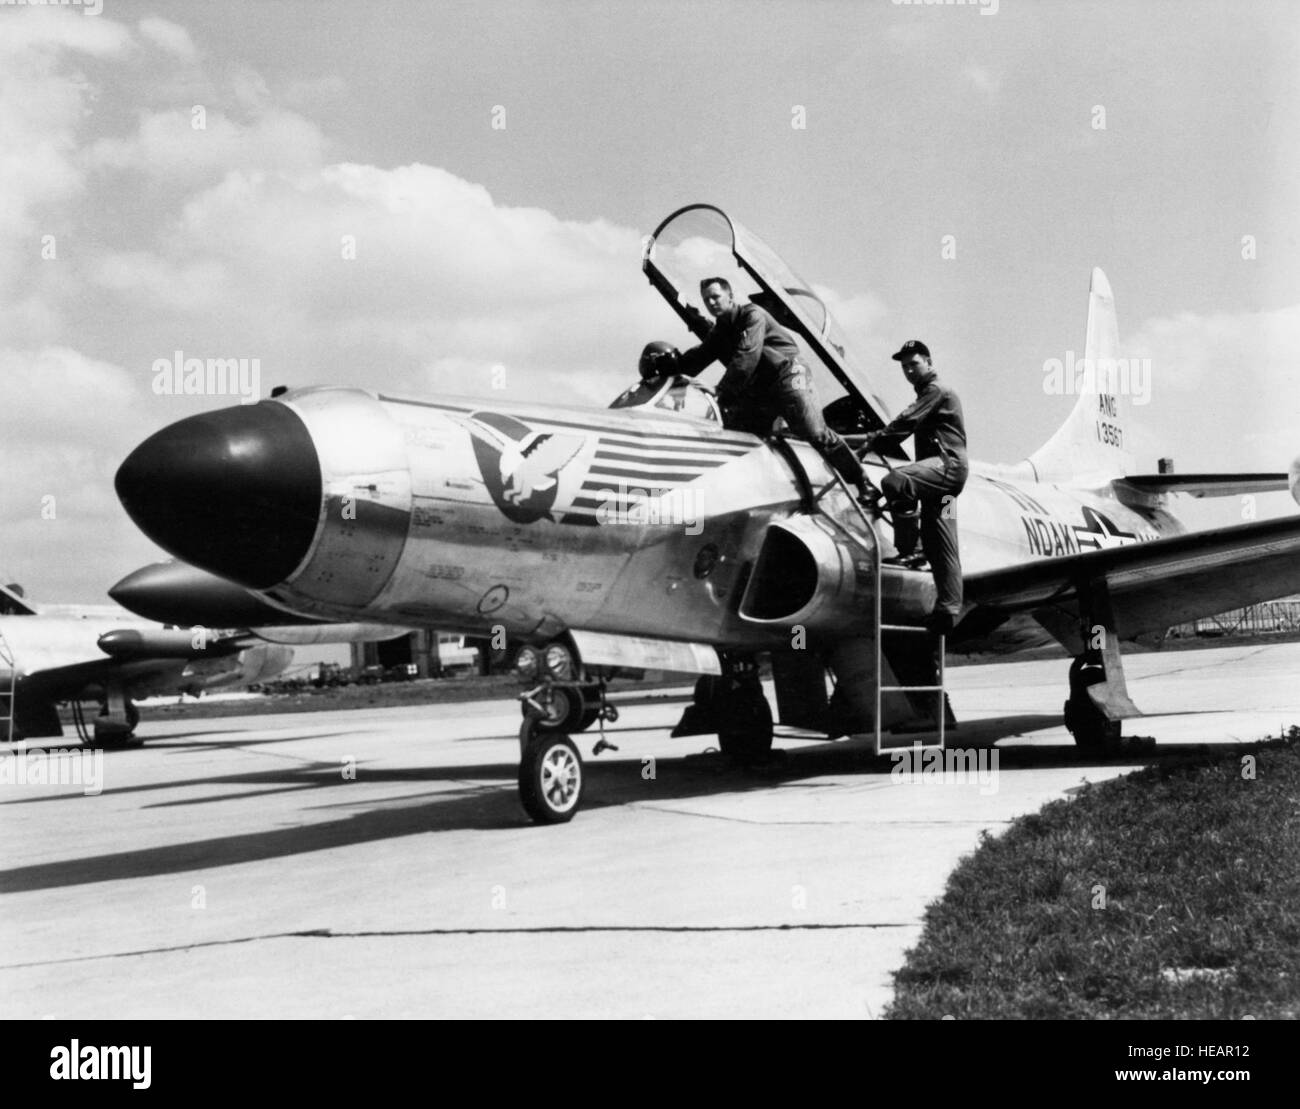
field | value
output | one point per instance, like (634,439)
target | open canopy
(702,241)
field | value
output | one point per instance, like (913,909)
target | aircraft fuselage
(470,515)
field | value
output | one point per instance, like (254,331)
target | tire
(550,778)
(108,736)
(566,711)
(705,689)
(112,738)
(744,721)
(1093,732)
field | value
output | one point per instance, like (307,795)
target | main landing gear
(113,727)
(1099,699)
(733,707)
(1093,731)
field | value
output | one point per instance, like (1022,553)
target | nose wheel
(550,774)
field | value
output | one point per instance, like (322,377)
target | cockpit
(700,241)
(675,396)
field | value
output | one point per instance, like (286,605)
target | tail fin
(1094,444)
(12,603)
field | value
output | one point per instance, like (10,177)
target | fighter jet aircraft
(117,659)
(650,535)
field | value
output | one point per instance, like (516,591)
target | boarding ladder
(880,629)
(8,686)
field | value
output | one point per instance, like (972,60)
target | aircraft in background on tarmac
(116,658)
(654,537)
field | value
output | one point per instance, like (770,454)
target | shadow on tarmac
(483,797)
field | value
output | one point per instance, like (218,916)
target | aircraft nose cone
(177,593)
(236,492)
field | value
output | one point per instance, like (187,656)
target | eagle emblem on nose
(520,466)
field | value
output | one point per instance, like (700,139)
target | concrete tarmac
(376,863)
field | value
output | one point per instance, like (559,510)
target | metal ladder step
(7,696)
(881,628)
(941,708)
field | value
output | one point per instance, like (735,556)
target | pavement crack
(540,930)
(1204,666)
(857,822)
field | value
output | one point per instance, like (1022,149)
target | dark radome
(236,492)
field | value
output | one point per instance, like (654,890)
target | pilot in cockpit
(674,394)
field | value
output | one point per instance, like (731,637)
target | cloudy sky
(183,176)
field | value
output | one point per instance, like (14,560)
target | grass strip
(1170,893)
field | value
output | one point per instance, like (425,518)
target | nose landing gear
(550,766)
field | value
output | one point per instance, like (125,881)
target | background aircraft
(117,659)
(658,538)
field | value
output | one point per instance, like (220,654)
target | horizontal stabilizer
(1207,485)
(12,603)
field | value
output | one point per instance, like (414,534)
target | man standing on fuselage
(764,377)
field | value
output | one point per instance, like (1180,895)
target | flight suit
(933,481)
(764,379)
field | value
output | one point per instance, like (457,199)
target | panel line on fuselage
(707,438)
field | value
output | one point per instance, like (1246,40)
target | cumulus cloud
(66,421)
(168,36)
(35,31)
(92,407)
(245,238)
(42,102)
(196,144)
(381,276)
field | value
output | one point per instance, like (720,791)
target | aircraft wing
(62,683)
(1152,585)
